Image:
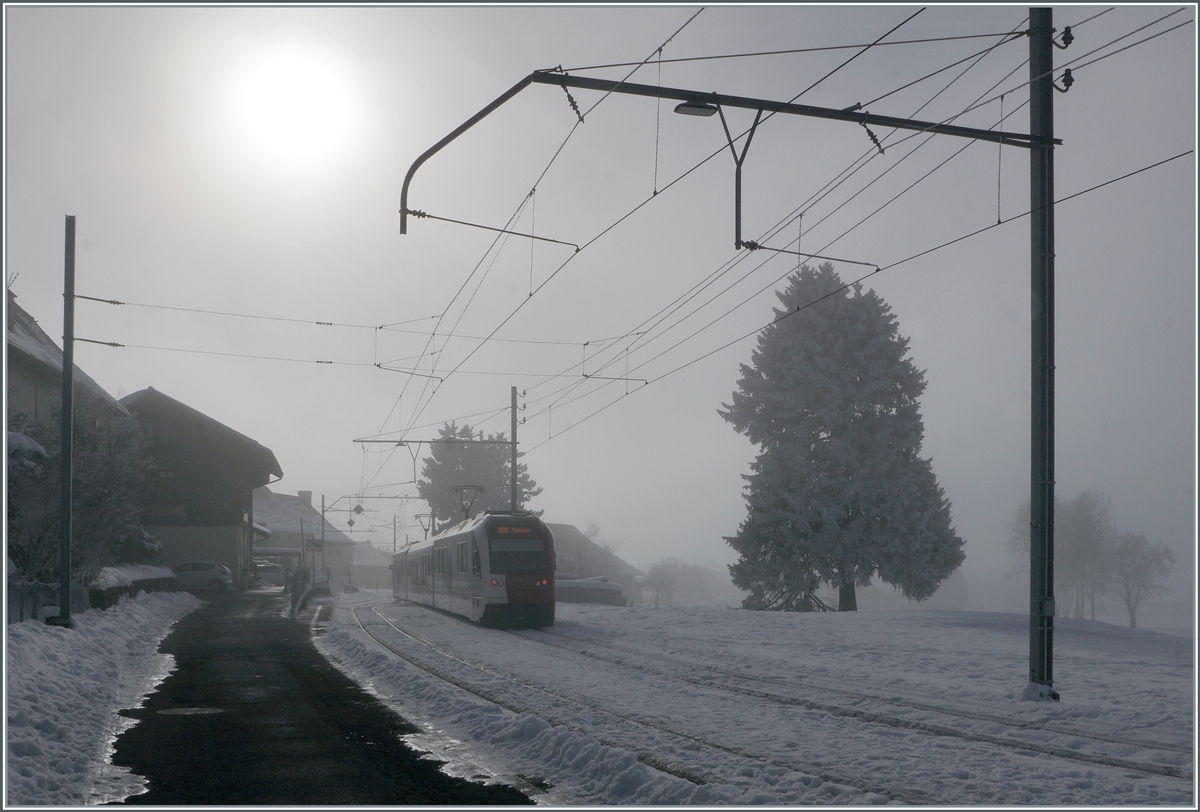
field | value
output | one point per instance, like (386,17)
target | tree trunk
(846,599)
(1132,617)
(1092,602)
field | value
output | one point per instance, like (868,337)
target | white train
(496,569)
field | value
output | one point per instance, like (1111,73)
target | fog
(166,132)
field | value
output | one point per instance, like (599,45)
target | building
(372,566)
(577,557)
(34,371)
(202,506)
(295,537)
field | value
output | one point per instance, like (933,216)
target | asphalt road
(253,714)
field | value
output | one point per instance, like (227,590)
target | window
(517,555)
(461,556)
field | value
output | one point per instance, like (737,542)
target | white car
(203,574)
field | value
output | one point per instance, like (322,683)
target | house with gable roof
(202,506)
(295,527)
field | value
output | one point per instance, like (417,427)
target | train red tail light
(545,581)
(494,582)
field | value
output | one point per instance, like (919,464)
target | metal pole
(514,449)
(1041,231)
(68,367)
(322,534)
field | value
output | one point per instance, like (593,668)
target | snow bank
(126,575)
(64,688)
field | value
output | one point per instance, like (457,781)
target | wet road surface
(253,714)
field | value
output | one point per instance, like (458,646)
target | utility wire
(244,315)
(818,49)
(228,354)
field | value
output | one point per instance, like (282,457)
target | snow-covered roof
(27,339)
(283,513)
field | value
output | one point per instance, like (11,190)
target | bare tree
(1084,533)
(1138,569)
(1091,532)
(663,578)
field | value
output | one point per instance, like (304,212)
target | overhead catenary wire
(1011,218)
(589,242)
(812,201)
(571,387)
(422,402)
(790,313)
(780,277)
(1089,53)
(810,87)
(422,405)
(639,206)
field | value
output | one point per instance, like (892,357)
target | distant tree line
(1092,558)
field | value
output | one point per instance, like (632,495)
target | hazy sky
(249,160)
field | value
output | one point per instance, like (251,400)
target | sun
(295,107)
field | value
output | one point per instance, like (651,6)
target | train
(496,569)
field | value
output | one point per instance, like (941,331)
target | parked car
(269,574)
(203,574)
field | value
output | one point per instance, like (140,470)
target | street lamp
(695,108)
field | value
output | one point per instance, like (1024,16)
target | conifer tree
(455,465)
(839,492)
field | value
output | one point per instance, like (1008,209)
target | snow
(128,575)
(63,689)
(714,705)
(678,705)
(20,444)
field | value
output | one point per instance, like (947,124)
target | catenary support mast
(67,424)
(1041,497)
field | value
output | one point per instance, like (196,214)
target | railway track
(580,647)
(687,772)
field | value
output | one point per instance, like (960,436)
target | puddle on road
(109,783)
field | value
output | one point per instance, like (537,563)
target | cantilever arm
(553,77)
(468,124)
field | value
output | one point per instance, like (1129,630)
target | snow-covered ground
(63,688)
(711,705)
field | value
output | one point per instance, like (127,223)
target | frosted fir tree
(839,492)
(451,467)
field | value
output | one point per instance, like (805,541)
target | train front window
(512,556)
